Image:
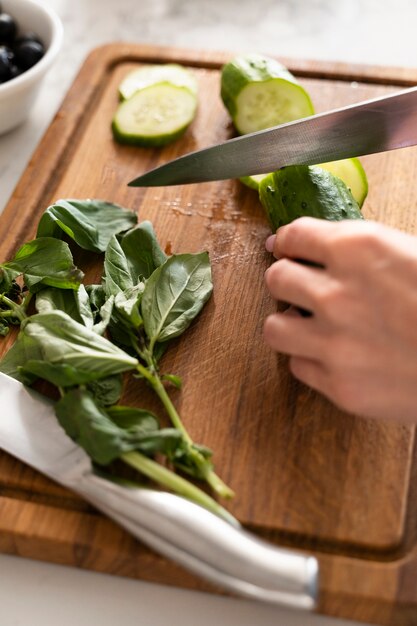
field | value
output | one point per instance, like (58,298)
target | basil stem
(175,483)
(153,378)
(15,310)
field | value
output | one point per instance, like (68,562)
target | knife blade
(376,125)
(207,545)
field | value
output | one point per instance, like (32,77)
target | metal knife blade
(372,126)
(212,548)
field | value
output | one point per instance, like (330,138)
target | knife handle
(219,552)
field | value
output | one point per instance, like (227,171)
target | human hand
(359,346)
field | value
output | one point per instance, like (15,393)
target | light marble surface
(366,31)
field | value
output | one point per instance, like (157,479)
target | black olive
(6,59)
(15,71)
(29,36)
(28,53)
(8,28)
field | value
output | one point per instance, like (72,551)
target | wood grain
(306,475)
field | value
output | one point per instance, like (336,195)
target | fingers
(305,238)
(309,372)
(292,282)
(293,334)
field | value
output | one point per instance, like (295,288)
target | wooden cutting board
(306,475)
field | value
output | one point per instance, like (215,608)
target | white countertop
(367,31)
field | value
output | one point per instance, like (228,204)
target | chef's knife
(223,554)
(373,126)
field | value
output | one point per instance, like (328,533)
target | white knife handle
(223,554)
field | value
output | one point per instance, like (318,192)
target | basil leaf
(141,422)
(104,441)
(59,374)
(105,316)
(142,250)
(23,350)
(127,305)
(45,261)
(75,304)
(60,340)
(91,428)
(174,295)
(7,276)
(97,297)
(90,223)
(107,391)
(117,275)
(4,328)
(134,419)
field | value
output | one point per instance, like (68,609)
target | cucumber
(300,190)
(259,93)
(152,74)
(353,175)
(349,170)
(155,115)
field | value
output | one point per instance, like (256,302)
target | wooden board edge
(80,544)
(214,59)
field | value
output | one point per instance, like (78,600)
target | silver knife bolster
(207,545)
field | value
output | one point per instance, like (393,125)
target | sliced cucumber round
(350,171)
(299,190)
(259,93)
(155,115)
(152,74)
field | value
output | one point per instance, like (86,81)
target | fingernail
(269,243)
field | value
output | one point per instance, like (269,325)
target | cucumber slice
(300,190)
(350,171)
(155,115)
(152,74)
(353,175)
(259,93)
(253,182)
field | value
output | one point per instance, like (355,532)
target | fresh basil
(62,341)
(145,299)
(7,276)
(45,261)
(90,223)
(77,305)
(101,437)
(117,277)
(107,391)
(142,251)
(174,294)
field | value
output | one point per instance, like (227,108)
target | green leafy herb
(174,294)
(45,261)
(145,300)
(142,251)
(92,428)
(90,223)
(77,305)
(57,339)
(107,391)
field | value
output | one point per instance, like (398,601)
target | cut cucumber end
(269,103)
(155,115)
(153,74)
(350,171)
(353,175)
(253,182)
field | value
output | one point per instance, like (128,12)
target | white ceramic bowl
(18,95)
